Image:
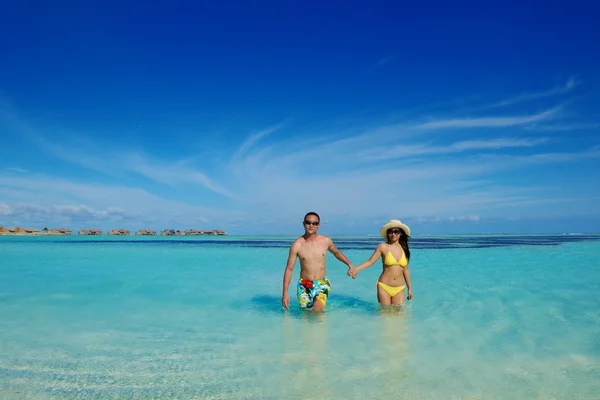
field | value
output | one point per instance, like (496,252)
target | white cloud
(470,218)
(564,126)
(571,84)
(358,176)
(427,219)
(491,122)
(73,212)
(5,209)
(253,139)
(402,151)
(408,169)
(15,169)
(170,174)
(88,153)
(66,200)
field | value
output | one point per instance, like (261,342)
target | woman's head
(395,230)
(394,224)
(395,234)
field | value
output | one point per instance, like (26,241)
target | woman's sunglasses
(314,223)
(394,231)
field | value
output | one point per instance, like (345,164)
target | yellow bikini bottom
(391,290)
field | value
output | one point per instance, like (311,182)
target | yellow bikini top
(390,260)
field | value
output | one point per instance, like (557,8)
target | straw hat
(394,223)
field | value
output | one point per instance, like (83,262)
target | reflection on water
(370,362)
(393,350)
(305,356)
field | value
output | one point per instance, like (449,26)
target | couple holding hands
(313,286)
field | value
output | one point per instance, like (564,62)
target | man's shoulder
(299,241)
(325,239)
(315,239)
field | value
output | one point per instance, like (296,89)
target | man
(313,286)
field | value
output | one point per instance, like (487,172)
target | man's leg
(319,304)
(302,294)
(322,287)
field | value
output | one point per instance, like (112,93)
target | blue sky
(459,118)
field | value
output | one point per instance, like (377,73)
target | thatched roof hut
(119,232)
(145,232)
(90,232)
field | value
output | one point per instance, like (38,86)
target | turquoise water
(493,317)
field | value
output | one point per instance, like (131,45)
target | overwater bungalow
(19,231)
(90,232)
(203,232)
(145,232)
(60,231)
(171,232)
(119,232)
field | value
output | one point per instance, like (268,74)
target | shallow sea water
(493,317)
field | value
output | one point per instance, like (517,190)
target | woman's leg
(382,296)
(398,298)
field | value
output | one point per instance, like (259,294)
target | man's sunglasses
(314,223)
(394,231)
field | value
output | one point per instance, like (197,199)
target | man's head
(311,222)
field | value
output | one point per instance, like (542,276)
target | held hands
(353,272)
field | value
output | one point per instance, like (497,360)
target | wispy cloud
(555,200)
(425,149)
(113,162)
(72,212)
(540,157)
(253,139)
(491,122)
(62,198)
(371,172)
(5,209)
(564,126)
(170,174)
(456,168)
(569,85)
(472,218)
(15,169)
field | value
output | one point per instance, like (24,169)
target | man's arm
(338,254)
(287,275)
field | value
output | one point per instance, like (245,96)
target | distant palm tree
(45,229)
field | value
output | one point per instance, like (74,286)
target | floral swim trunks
(307,291)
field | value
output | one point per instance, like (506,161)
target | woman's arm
(366,264)
(406,273)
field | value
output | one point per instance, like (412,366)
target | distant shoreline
(18,231)
(34,234)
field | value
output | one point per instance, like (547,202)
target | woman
(395,255)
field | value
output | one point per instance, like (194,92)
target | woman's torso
(394,261)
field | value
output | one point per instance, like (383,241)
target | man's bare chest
(312,251)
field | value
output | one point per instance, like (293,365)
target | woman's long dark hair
(403,243)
